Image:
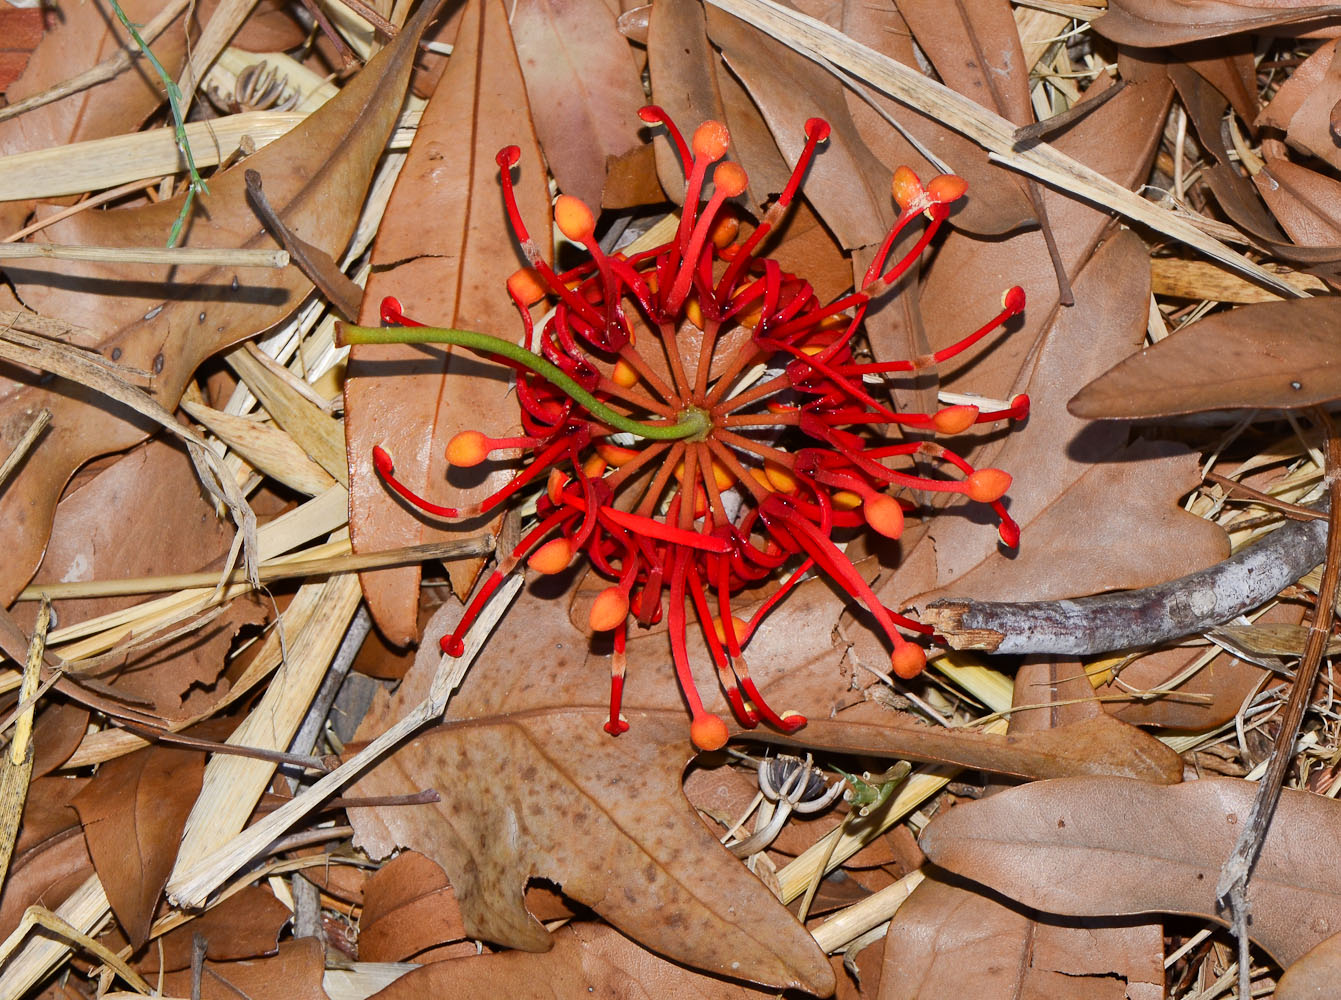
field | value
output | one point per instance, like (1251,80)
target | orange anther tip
(738,627)
(846,500)
(1013,300)
(609,610)
(467,449)
(554,487)
(552,557)
(908,661)
(729,179)
(710,141)
(624,375)
(526,286)
(907,189)
(708,732)
(616,455)
(955,419)
(947,188)
(884,514)
(987,485)
(724,229)
(382,461)
(573,218)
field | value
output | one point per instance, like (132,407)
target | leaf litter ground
(517,821)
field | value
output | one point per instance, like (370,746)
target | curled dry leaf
(445,251)
(166,321)
(133,814)
(1149,849)
(1314,975)
(409,910)
(1271,355)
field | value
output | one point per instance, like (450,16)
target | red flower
(702,425)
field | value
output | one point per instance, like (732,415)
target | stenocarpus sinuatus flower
(699,424)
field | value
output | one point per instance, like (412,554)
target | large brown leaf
(1149,849)
(133,813)
(587,960)
(168,321)
(584,88)
(1171,22)
(603,817)
(445,250)
(1015,955)
(946,941)
(1267,355)
(293,974)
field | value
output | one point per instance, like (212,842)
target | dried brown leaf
(848,188)
(1171,22)
(246,925)
(1112,529)
(83,35)
(997,201)
(294,974)
(445,251)
(1148,849)
(87,544)
(168,320)
(1306,203)
(133,812)
(975,48)
(604,818)
(409,910)
(947,941)
(587,959)
(46,872)
(1314,974)
(1098,745)
(1268,355)
(584,88)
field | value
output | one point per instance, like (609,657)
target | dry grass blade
(102,163)
(185,256)
(17,766)
(996,134)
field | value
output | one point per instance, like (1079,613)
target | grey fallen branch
(1133,618)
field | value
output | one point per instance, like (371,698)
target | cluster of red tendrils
(767,441)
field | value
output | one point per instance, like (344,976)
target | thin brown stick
(1293,511)
(1137,618)
(1232,889)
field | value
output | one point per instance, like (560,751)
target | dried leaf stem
(1232,889)
(1137,618)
